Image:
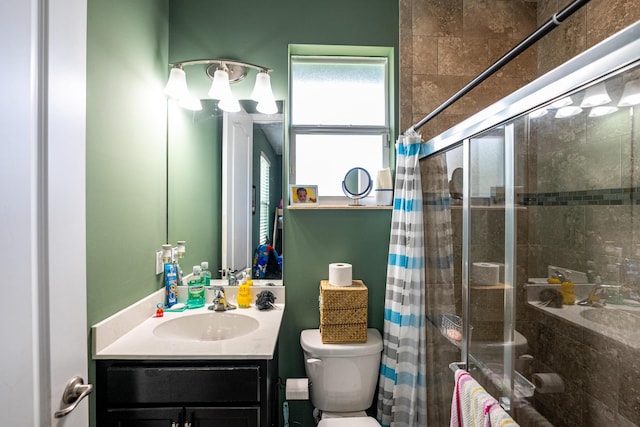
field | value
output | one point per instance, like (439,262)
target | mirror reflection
(198,178)
(357,184)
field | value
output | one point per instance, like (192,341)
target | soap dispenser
(196,289)
(244,296)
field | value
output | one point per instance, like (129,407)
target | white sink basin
(210,326)
(618,319)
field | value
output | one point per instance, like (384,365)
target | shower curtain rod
(539,33)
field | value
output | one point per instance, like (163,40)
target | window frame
(264,210)
(322,129)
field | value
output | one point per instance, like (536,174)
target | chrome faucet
(219,302)
(600,294)
(232,278)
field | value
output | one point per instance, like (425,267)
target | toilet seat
(349,422)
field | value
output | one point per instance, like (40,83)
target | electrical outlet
(159,263)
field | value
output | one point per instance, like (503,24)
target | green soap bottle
(205,273)
(196,289)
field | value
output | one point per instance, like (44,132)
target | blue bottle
(170,278)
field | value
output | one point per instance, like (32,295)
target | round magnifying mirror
(357,184)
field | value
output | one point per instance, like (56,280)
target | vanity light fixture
(190,102)
(540,112)
(177,85)
(602,110)
(630,94)
(568,111)
(562,102)
(595,95)
(222,72)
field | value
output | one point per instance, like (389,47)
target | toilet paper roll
(340,274)
(548,382)
(501,269)
(297,389)
(485,273)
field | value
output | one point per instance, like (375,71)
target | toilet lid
(349,422)
(311,342)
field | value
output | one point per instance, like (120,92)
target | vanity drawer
(128,384)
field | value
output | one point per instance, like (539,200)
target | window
(265,196)
(339,119)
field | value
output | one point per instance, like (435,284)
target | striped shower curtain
(402,389)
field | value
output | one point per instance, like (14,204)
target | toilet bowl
(348,422)
(343,378)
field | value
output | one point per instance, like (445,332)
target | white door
(237,171)
(42,210)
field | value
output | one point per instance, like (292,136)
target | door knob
(74,392)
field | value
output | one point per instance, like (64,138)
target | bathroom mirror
(195,181)
(357,184)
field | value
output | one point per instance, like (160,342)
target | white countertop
(128,334)
(571,313)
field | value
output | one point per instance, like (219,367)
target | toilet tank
(343,377)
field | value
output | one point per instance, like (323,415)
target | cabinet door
(248,416)
(144,417)
(171,384)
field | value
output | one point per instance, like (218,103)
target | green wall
(130,45)
(127,45)
(261,33)
(126,151)
(194,190)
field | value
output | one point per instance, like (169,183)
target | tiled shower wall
(583,190)
(444,44)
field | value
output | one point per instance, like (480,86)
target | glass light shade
(267,107)
(220,88)
(229,104)
(538,113)
(568,111)
(595,95)
(562,102)
(630,94)
(190,102)
(177,84)
(602,110)
(262,89)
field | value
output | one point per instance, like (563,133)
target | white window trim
(384,131)
(264,205)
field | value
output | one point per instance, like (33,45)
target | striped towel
(472,406)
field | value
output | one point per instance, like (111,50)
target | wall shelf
(338,207)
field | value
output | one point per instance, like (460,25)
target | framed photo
(303,194)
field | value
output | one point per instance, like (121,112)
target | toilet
(343,378)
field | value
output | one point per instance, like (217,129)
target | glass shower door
(490,224)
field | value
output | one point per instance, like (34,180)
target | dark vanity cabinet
(186,393)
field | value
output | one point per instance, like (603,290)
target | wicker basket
(343,312)
(344,333)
